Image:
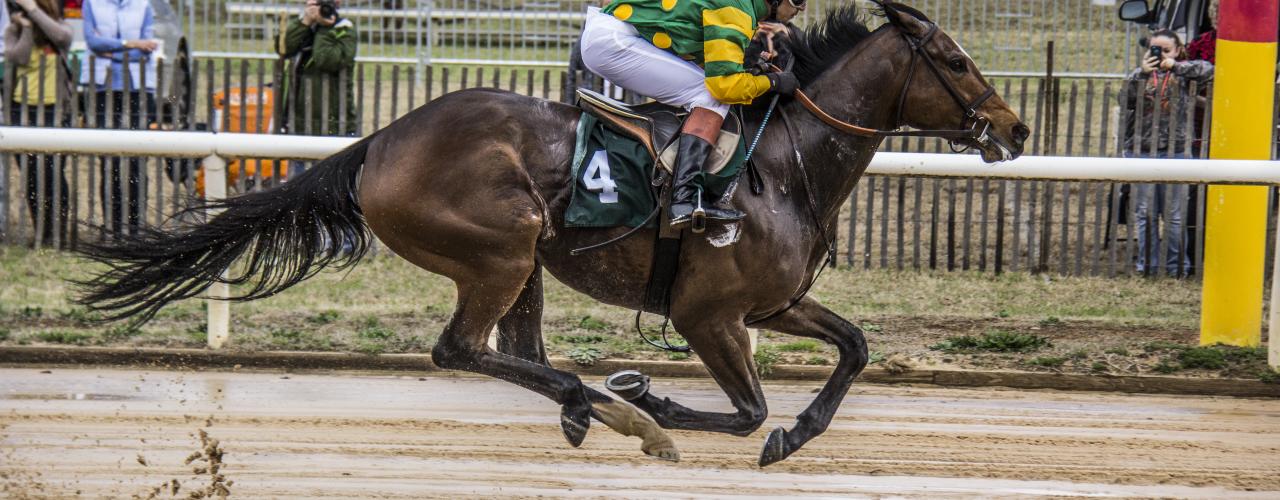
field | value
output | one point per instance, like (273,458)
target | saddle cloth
(614,156)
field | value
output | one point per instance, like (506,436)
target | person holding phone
(36,43)
(1163,82)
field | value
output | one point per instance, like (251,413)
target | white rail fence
(216,149)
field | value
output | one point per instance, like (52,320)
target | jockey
(688,53)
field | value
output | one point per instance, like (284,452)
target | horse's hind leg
(810,319)
(520,335)
(520,329)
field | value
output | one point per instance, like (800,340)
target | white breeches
(615,51)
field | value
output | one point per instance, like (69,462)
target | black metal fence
(986,225)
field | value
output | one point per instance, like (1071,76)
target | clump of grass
(80,316)
(4,334)
(372,329)
(64,337)
(118,333)
(766,358)
(585,356)
(1079,354)
(324,317)
(677,356)
(1047,361)
(994,340)
(1050,321)
(1098,367)
(805,345)
(1269,376)
(31,312)
(1243,354)
(1206,358)
(871,328)
(290,338)
(816,361)
(370,348)
(593,324)
(874,357)
(1165,367)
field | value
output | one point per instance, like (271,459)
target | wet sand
(119,433)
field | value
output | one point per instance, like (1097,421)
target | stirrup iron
(699,217)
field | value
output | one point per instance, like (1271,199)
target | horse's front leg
(724,347)
(810,319)
(520,335)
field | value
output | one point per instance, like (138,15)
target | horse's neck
(865,95)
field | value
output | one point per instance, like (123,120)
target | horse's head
(943,89)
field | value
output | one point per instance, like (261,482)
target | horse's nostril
(1021,132)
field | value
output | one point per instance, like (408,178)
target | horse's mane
(844,28)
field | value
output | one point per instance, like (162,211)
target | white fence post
(219,320)
(1273,315)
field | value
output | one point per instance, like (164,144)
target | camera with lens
(328,9)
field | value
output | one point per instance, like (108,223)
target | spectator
(322,45)
(120,35)
(1204,47)
(1163,84)
(4,24)
(36,43)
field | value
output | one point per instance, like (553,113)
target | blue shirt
(111,45)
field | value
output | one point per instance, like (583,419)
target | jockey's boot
(686,192)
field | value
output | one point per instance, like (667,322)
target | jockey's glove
(784,83)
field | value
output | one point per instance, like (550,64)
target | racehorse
(474,186)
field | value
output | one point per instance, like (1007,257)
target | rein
(976,132)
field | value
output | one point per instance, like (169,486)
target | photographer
(1163,82)
(36,43)
(322,45)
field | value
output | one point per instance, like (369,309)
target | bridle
(978,126)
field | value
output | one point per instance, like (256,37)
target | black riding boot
(686,200)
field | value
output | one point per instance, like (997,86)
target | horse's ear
(905,19)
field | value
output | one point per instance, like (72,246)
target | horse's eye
(958,65)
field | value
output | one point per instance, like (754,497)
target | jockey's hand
(784,83)
(767,31)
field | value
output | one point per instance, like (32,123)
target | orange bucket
(255,111)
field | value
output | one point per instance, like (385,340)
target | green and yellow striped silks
(711,33)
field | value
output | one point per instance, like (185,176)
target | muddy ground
(118,433)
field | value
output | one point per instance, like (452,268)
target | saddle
(655,126)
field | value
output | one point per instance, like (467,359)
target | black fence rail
(983,225)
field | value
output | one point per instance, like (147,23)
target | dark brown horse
(474,185)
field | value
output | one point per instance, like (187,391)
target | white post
(219,320)
(1273,316)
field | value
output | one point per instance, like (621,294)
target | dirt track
(109,433)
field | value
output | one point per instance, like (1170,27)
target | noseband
(977,128)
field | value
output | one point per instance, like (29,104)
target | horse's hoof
(669,454)
(628,384)
(775,447)
(575,424)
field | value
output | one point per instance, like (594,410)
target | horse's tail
(288,232)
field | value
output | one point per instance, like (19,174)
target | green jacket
(314,78)
(712,33)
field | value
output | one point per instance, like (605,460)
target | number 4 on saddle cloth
(615,182)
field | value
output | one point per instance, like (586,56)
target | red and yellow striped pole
(1236,216)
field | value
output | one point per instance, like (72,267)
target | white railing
(215,149)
